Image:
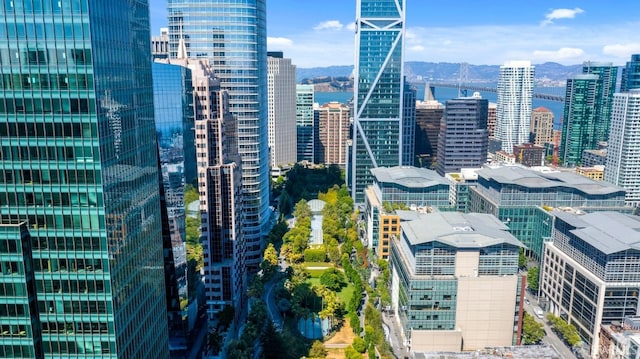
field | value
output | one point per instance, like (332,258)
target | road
(551,338)
(394,338)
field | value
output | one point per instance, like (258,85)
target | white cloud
(416,48)
(556,14)
(279,42)
(621,50)
(351,26)
(565,53)
(332,25)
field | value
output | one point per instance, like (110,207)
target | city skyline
(567,33)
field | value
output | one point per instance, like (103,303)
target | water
(324,97)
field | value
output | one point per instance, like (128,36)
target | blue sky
(320,33)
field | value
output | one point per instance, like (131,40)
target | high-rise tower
(379,86)
(578,125)
(631,74)
(515,92)
(232,35)
(79,165)
(622,167)
(304,122)
(607,76)
(281,84)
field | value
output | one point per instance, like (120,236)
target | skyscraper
(232,35)
(631,74)
(542,126)
(333,133)
(578,126)
(607,76)
(378,91)
(281,75)
(515,92)
(304,122)
(408,124)
(79,163)
(428,116)
(463,138)
(623,168)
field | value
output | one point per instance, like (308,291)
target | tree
(270,260)
(214,342)
(522,259)
(359,345)
(351,353)
(226,315)
(333,279)
(532,278)
(317,350)
(532,331)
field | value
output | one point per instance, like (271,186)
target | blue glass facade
(379,85)
(232,35)
(78,160)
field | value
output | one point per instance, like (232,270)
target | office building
(631,74)
(491,119)
(521,197)
(541,126)
(513,113)
(578,126)
(607,77)
(528,154)
(409,124)
(454,282)
(460,182)
(21,328)
(623,167)
(463,138)
(590,271)
(160,44)
(283,147)
(596,172)
(378,91)
(592,158)
(333,133)
(79,164)
(304,123)
(399,187)
(428,116)
(232,35)
(502,157)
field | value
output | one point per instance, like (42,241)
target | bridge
(538,95)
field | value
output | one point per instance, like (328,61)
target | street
(550,338)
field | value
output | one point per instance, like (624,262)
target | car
(526,301)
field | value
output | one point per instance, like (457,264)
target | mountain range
(449,72)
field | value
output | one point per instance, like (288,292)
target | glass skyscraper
(607,76)
(232,35)
(78,162)
(631,74)
(513,115)
(379,85)
(578,126)
(304,122)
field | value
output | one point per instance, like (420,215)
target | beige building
(596,173)
(491,119)
(504,157)
(333,133)
(281,95)
(455,282)
(542,125)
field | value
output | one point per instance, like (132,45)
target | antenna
(462,79)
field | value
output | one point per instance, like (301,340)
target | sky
(321,33)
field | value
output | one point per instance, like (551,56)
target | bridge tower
(463,79)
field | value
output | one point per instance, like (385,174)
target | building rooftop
(460,230)
(541,109)
(520,352)
(609,232)
(316,205)
(407,176)
(516,175)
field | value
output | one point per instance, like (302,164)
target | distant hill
(446,72)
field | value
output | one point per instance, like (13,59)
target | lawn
(344,295)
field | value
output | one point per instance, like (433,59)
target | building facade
(592,158)
(408,124)
(378,91)
(515,93)
(304,123)
(333,133)
(590,271)
(491,119)
(79,164)
(620,340)
(578,126)
(631,74)
(541,126)
(283,136)
(528,154)
(160,45)
(596,172)
(237,50)
(623,168)
(428,116)
(607,77)
(463,140)
(455,283)
(522,198)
